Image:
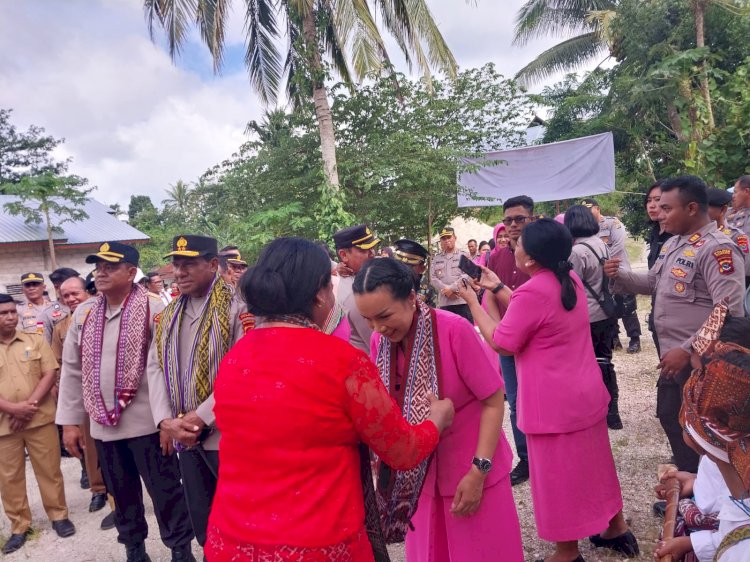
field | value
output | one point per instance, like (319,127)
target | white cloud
(134,122)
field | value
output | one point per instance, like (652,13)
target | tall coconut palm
(343,31)
(584,23)
(178,198)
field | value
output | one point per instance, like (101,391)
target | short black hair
(581,222)
(692,190)
(397,277)
(471,240)
(61,274)
(5,298)
(286,278)
(736,329)
(520,201)
(656,185)
(744,181)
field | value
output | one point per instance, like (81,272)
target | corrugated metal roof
(101,225)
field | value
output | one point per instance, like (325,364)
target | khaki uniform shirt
(161,403)
(612,232)
(741,239)
(23,361)
(691,275)
(739,218)
(50,316)
(136,420)
(589,269)
(444,272)
(361,332)
(58,337)
(29,315)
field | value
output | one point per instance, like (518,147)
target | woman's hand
(489,279)
(678,547)
(468,493)
(467,292)
(441,412)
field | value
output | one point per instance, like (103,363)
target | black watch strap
(484,465)
(499,287)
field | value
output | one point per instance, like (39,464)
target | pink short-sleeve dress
(562,408)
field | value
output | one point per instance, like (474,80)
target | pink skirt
(492,533)
(574,483)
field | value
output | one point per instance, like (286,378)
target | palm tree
(178,198)
(343,31)
(588,21)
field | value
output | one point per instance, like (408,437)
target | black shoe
(659,508)
(64,528)
(617,345)
(614,421)
(85,480)
(137,553)
(16,541)
(625,543)
(634,346)
(108,522)
(65,454)
(98,501)
(520,473)
(182,553)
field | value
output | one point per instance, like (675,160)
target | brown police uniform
(691,274)
(445,273)
(741,239)
(91,459)
(55,313)
(30,316)
(23,362)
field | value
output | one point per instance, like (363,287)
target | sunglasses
(519,219)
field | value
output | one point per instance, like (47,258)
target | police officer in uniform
(739,215)
(355,245)
(31,307)
(104,377)
(57,310)
(206,310)
(415,256)
(445,275)
(27,416)
(612,232)
(718,203)
(696,268)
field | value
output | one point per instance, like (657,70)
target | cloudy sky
(134,122)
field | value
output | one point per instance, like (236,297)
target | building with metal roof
(24,247)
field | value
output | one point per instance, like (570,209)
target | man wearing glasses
(31,308)
(519,211)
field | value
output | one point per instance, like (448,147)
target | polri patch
(679,272)
(724,259)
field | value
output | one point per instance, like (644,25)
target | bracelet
(499,287)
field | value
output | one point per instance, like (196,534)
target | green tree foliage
(50,199)
(25,153)
(399,149)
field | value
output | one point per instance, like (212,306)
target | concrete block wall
(16,260)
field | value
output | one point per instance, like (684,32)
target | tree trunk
(320,100)
(699,10)
(50,241)
(429,240)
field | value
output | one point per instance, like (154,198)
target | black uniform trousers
(124,463)
(668,403)
(461,310)
(629,317)
(200,470)
(603,333)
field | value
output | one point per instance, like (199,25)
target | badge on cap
(104,247)
(724,259)
(181,245)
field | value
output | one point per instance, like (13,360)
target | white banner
(546,172)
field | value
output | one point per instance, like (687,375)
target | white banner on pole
(545,172)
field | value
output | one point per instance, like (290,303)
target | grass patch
(635,249)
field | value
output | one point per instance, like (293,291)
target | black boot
(610,381)
(183,553)
(137,553)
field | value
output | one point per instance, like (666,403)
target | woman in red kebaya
(293,405)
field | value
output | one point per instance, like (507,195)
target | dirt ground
(638,449)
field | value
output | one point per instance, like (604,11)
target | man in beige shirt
(33,305)
(182,367)
(27,416)
(103,377)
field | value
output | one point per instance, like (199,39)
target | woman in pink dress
(460,506)
(562,401)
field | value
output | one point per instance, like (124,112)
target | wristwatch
(499,287)
(484,465)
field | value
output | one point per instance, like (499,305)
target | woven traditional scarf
(208,349)
(398,491)
(130,361)
(333,320)
(732,538)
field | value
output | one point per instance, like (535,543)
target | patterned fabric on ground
(398,492)
(130,363)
